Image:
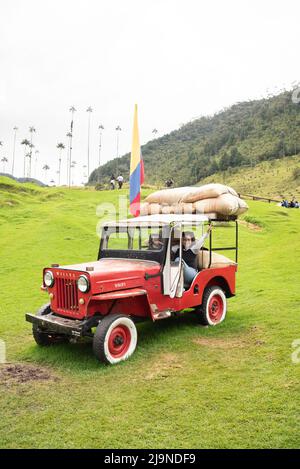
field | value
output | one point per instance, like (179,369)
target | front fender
(133,302)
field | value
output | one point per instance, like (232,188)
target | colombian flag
(136,169)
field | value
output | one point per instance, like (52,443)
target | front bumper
(65,326)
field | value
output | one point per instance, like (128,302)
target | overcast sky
(176,59)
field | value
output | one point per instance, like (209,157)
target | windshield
(133,238)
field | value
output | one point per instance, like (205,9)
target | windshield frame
(147,254)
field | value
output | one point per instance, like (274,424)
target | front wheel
(115,339)
(213,308)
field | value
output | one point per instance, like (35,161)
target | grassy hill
(276,178)
(186,386)
(243,135)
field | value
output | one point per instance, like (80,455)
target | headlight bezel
(87,284)
(51,283)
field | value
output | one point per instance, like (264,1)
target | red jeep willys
(135,278)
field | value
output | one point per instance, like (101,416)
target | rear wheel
(115,339)
(44,338)
(213,308)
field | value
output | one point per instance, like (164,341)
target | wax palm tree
(35,161)
(46,168)
(27,155)
(26,143)
(118,130)
(69,136)
(72,111)
(101,128)
(4,160)
(84,166)
(154,131)
(31,146)
(60,147)
(73,164)
(31,130)
(89,111)
(15,129)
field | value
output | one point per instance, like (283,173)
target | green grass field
(186,386)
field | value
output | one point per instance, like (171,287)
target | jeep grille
(67,294)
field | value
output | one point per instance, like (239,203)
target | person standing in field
(112,182)
(120,180)
(169,182)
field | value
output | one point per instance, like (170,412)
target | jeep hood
(126,273)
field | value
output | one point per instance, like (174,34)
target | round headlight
(48,279)
(83,284)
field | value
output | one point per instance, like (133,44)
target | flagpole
(136,178)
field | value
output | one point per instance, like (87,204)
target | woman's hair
(190,234)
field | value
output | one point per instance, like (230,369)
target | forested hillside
(243,135)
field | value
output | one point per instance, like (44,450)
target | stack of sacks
(210,198)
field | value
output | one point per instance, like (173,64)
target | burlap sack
(144,209)
(217,260)
(150,209)
(225,204)
(207,191)
(183,208)
(154,209)
(243,207)
(167,209)
(167,196)
(188,194)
